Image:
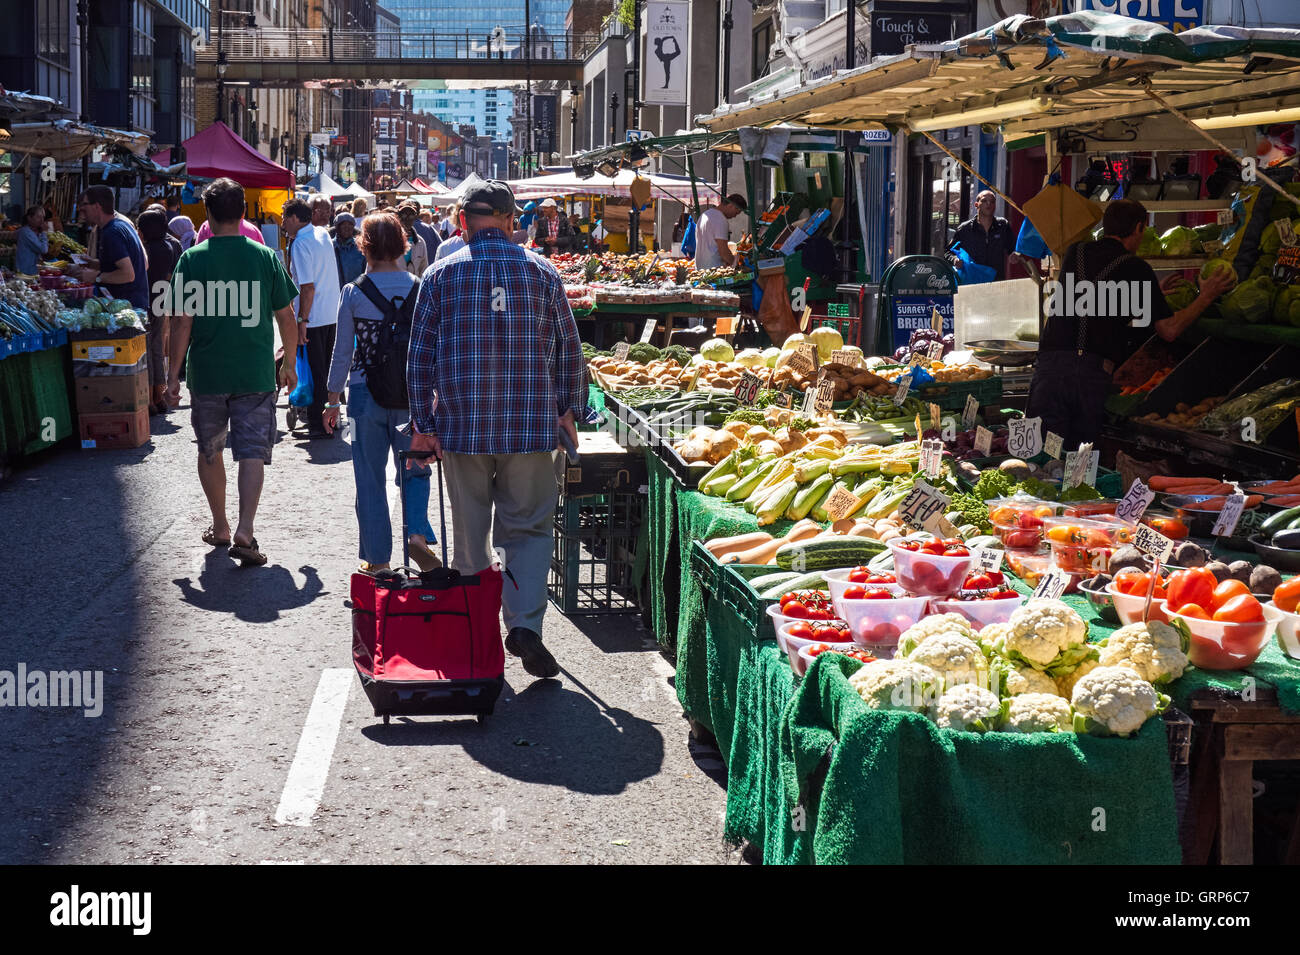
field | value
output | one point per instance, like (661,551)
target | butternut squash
(721,546)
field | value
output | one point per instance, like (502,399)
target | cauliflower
(967,707)
(993,639)
(1114,701)
(1047,635)
(922,630)
(956,658)
(1154,649)
(1037,713)
(1066,681)
(896,685)
(1022,679)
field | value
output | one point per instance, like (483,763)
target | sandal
(423,556)
(210,537)
(248,556)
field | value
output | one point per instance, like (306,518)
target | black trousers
(1069,393)
(320,349)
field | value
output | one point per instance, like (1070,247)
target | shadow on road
(326,450)
(547,734)
(253,594)
(608,638)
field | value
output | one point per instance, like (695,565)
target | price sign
(917,358)
(900,393)
(935,351)
(1052,445)
(1230,516)
(840,503)
(931,457)
(825,396)
(748,388)
(923,504)
(1135,503)
(987,558)
(983,441)
(621,350)
(850,359)
(936,415)
(837,310)
(809,351)
(648,329)
(1285,231)
(695,378)
(1153,542)
(809,406)
(1052,584)
(936,321)
(1223,217)
(1286,268)
(801,363)
(1081,467)
(968,413)
(784,398)
(1025,437)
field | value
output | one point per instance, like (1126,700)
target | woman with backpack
(379,302)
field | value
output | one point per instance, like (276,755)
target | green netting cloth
(897,789)
(663,551)
(33,391)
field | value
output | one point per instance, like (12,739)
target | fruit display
(850,382)
(1185,415)
(940,372)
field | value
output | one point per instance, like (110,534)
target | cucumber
(813,581)
(828,553)
(1281,520)
(759,584)
(985,540)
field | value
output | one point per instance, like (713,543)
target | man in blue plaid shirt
(495,371)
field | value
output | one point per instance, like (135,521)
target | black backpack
(385,366)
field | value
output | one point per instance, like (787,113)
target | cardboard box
(102,350)
(104,432)
(112,394)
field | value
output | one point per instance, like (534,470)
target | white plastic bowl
(792,646)
(1288,630)
(981,613)
(1246,640)
(778,618)
(1129,607)
(879,623)
(806,658)
(929,575)
(837,581)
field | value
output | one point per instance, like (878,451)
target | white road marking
(311,763)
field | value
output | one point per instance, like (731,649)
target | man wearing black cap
(712,248)
(494,373)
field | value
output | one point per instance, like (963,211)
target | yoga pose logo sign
(667,45)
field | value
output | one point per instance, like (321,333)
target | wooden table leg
(1236,812)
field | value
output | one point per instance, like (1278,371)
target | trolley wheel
(291,417)
(386,718)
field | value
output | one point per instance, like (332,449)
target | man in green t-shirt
(223,295)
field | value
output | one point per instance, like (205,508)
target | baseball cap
(345,217)
(492,197)
(529,206)
(548,203)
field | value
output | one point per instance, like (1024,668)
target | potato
(721,444)
(769,446)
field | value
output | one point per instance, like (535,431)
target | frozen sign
(667,42)
(1175,15)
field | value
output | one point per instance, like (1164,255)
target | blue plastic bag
(688,238)
(302,394)
(1030,243)
(970,272)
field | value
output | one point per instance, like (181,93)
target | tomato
(801,630)
(881,579)
(1195,585)
(1243,608)
(1171,527)
(878,594)
(858,575)
(1287,595)
(855,593)
(956,552)
(1006,594)
(1211,655)
(828,634)
(1192,610)
(817,614)
(932,547)
(996,576)
(1226,591)
(979,581)
(795,609)
(909,545)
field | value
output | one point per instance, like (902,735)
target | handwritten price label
(936,415)
(801,364)
(1052,445)
(1081,467)
(904,385)
(1230,516)
(983,441)
(1025,437)
(1153,542)
(969,412)
(935,351)
(747,390)
(840,503)
(809,351)
(1135,503)
(1052,584)
(809,406)
(850,359)
(931,457)
(923,504)
(987,558)
(621,350)
(825,396)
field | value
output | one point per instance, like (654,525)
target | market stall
(218,152)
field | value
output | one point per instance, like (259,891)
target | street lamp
(574,92)
(613,118)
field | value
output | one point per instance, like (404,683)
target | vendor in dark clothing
(987,238)
(1104,305)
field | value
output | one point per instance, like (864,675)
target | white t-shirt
(448,246)
(711,227)
(312,262)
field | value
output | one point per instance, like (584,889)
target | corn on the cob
(742,488)
(773,507)
(808,497)
(806,471)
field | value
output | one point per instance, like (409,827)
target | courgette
(1281,520)
(759,584)
(813,581)
(828,553)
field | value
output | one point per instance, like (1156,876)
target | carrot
(1166,482)
(1254,500)
(1288,500)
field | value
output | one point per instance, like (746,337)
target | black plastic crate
(594,553)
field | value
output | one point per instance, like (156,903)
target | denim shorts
(246,422)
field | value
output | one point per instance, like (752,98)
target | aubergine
(1287,540)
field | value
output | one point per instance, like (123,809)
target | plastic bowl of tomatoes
(878,618)
(810,653)
(1129,592)
(1229,645)
(793,636)
(841,580)
(1286,599)
(810,605)
(985,598)
(931,568)
(1018,521)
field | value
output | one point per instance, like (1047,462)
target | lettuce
(1286,307)
(1182,294)
(1179,241)
(1218,265)
(1150,244)
(1251,301)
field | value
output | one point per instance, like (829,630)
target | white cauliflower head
(1154,649)
(1038,713)
(956,658)
(924,629)
(1022,679)
(1113,701)
(1045,633)
(896,685)
(1066,681)
(967,707)
(993,639)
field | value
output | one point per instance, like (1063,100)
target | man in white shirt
(316,273)
(711,233)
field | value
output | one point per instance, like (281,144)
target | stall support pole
(695,194)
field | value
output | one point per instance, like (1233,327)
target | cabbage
(793,342)
(1150,244)
(1182,294)
(1263,266)
(1286,307)
(770,356)
(1218,265)
(1251,301)
(750,358)
(716,349)
(93,306)
(827,339)
(1179,241)
(119,304)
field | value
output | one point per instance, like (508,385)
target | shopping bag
(1029,243)
(688,238)
(1062,216)
(302,394)
(970,272)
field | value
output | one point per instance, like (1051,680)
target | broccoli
(642,352)
(1080,492)
(747,415)
(973,510)
(801,424)
(992,483)
(1039,489)
(679,353)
